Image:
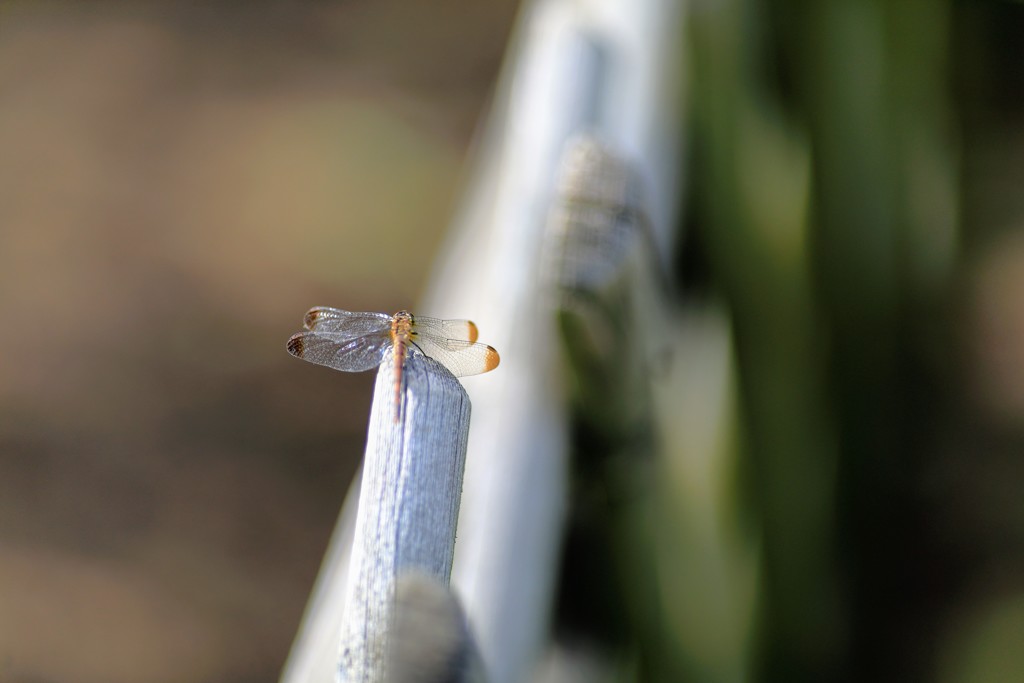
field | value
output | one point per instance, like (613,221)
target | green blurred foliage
(853,193)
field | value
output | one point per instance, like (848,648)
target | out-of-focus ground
(178,183)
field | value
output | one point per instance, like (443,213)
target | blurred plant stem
(824,196)
(871,81)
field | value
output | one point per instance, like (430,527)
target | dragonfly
(356,342)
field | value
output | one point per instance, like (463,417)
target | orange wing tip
(474,333)
(491,360)
(296,345)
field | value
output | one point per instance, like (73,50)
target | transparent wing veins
(340,352)
(462,357)
(446,329)
(346,323)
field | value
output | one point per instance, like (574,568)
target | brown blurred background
(178,183)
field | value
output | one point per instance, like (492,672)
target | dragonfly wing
(462,357)
(338,351)
(446,329)
(347,323)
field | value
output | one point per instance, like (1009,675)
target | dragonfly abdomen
(401,331)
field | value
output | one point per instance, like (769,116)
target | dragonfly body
(354,342)
(401,337)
